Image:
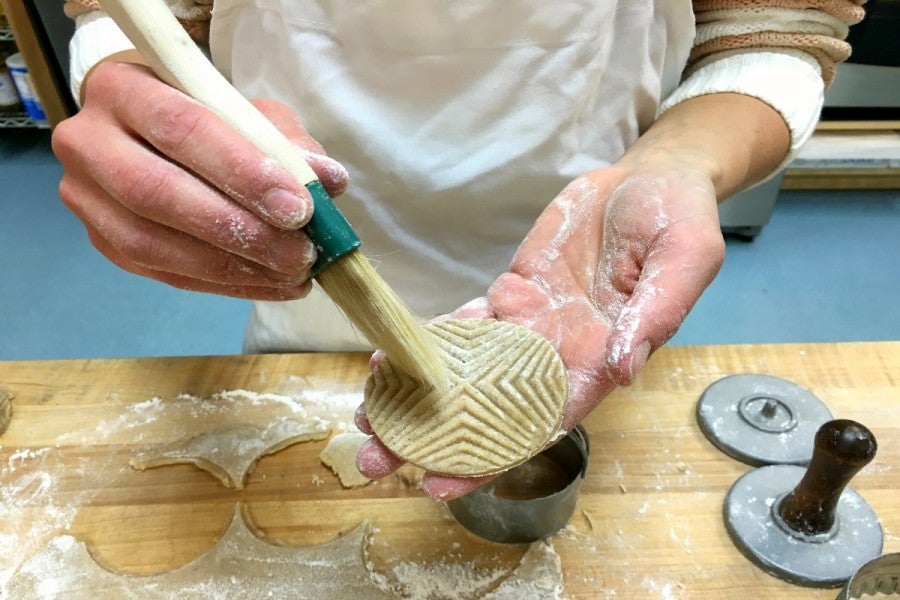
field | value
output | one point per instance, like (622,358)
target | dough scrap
(503,404)
(340,456)
(230,453)
(5,410)
(240,565)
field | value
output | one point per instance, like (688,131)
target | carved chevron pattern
(504,402)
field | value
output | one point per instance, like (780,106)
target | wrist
(130,55)
(732,139)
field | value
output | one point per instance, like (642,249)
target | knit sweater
(816,27)
(740,46)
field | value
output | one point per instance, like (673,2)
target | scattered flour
(665,590)
(37,503)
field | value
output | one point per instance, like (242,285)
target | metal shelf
(16,120)
(19,121)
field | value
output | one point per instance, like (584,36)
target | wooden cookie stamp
(503,404)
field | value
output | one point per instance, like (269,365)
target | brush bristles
(371,305)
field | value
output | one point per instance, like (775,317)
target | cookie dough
(504,402)
(240,565)
(230,453)
(340,456)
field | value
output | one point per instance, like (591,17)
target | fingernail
(292,255)
(361,420)
(374,461)
(286,207)
(330,171)
(639,357)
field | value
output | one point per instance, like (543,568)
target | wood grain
(648,525)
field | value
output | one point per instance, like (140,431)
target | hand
(167,190)
(607,274)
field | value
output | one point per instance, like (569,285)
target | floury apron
(459,121)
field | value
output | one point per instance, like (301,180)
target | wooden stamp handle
(842,448)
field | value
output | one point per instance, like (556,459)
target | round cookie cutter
(878,576)
(498,512)
(824,560)
(761,420)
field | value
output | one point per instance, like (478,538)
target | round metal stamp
(761,419)
(530,501)
(878,578)
(824,560)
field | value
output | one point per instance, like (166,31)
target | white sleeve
(96,37)
(788,81)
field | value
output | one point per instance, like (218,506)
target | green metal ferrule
(328,229)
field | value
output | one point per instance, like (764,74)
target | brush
(341,269)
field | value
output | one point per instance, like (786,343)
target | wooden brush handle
(176,59)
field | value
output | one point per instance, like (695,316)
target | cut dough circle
(503,404)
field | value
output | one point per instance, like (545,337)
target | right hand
(167,190)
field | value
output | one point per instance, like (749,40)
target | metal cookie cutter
(879,577)
(531,501)
(761,419)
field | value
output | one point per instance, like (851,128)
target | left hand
(607,274)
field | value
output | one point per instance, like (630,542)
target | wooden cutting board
(648,524)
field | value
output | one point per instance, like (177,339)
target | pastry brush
(341,270)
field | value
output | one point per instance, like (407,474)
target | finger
(376,359)
(274,294)
(331,173)
(158,190)
(193,136)
(443,488)
(375,461)
(477,308)
(154,246)
(362,420)
(679,267)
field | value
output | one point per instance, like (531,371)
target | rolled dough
(230,453)
(340,456)
(504,402)
(241,565)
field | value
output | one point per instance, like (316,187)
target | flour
(417,581)
(35,504)
(665,590)
(320,397)
(538,576)
(37,501)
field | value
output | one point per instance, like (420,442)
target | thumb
(679,266)
(331,173)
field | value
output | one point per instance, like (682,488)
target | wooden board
(649,520)
(841,179)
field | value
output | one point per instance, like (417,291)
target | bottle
(9,97)
(22,79)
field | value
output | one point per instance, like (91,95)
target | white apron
(459,121)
